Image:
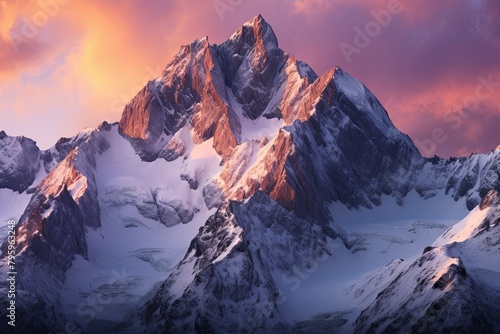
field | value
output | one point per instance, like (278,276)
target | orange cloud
(103,52)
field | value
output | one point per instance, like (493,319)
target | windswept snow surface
(387,234)
(478,252)
(13,205)
(119,276)
(452,286)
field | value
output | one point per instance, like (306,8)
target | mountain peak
(364,100)
(256,32)
(256,21)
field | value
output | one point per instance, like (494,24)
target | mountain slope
(452,287)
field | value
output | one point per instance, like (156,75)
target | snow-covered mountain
(453,286)
(241,192)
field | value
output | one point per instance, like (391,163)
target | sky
(434,65)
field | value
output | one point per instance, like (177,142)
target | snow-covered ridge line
(21,159)
(452,286)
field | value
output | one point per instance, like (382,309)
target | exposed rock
(19,162)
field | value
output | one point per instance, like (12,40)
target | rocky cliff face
(213,89)
(21,159)
(19,162)
(51,232)
(229,267)
(244,150)
(191,83)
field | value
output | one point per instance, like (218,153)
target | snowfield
(387,235)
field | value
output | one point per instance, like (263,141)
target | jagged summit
(206,86)
(222,90)
(256,31)
(365,102)
(257,19)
